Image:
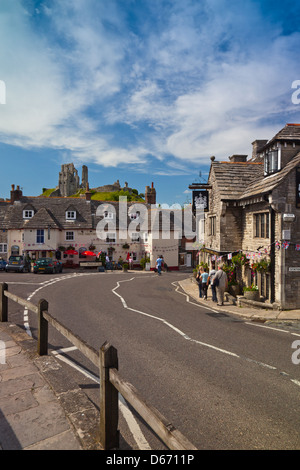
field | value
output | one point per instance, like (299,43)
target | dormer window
(134,215)
(28,214)
(71,215)
(272,161)
(108,215)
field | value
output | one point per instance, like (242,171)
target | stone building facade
(254,208)
(48,227)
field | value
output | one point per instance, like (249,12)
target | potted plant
(252,293)
(144,261)
(125,267)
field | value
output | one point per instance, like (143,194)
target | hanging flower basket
(240,260)
(262,266)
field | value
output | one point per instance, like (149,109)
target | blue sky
(141,90)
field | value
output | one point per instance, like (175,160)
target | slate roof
(289,132)
(268,183)
(52,212)
(48,211)
(233,177)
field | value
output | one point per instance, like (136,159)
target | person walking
(159,264)
(221,283)
(204,282)
(198,279)
(212,274)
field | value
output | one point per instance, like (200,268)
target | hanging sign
(200,200)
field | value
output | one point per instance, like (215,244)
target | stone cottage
(49,227)
(254,209)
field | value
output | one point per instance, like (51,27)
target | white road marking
(190,302)
(272,328)
(128,416)
(185,336)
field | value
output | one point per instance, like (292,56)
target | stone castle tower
(150,195)
(68,182)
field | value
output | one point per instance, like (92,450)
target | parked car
(18,263)
(47,265)
(3,264)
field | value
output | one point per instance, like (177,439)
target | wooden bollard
(42,347)
(109,399)
(3,303)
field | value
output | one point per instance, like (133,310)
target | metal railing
(111,382)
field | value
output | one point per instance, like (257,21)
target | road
(224,382)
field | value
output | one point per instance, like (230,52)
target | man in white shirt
(221,283)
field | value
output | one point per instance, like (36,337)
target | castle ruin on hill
(69,182)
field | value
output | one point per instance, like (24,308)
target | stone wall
(288,260)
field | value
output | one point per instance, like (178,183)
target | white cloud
(191,80)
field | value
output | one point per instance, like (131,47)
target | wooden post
(3,303)
(109,405)
(42,347)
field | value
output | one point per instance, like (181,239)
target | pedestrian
(159,264)
(212,274)
(130,262)
(221,283)
(198,279)
(204,283)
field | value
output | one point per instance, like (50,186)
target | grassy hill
(103,196)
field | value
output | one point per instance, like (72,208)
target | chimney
(238,158)
(150,195)
(256,146)
(15,194)
(88,194)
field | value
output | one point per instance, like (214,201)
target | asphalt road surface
(224,382)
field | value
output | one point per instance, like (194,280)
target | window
(28,214)
(134,215)
(145,237)
(271,162)
(111,237)
(15,250)
(135,237)
(262,225)
(133,256)
(3,248)
(40,237)
(70,215)
(70,236)
(108,215)
(212,222)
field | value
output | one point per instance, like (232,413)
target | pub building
(254,209)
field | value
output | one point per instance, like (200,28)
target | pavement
(240,307)
(42,409)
